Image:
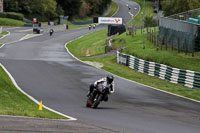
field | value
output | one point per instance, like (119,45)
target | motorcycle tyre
(97,102)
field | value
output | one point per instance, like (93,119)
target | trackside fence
(186,78)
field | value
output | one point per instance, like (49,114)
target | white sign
(109,20)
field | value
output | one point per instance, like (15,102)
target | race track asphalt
(42,68)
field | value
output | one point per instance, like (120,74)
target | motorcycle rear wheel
(87,103)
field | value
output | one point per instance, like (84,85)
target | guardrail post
(172,43)
(166,45)
(178,45)
(163,41)
(157,43)
(192,48)
(186,48)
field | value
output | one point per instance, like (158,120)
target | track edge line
(33,99)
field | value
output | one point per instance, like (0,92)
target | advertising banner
(109,20)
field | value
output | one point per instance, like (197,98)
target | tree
(48,8)
(11,5)
(177,6)
(70,7)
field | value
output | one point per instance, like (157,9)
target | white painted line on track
(2,45)
(128,79)
(98,24)
(116,11)
(35,118)
(34,100)
(3,37)
(25,30)
(135,14)
(12,28)
(28,36)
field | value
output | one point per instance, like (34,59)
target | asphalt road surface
(42,67)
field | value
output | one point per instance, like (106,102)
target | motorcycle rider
(90,27)
(51,32)
(109,82)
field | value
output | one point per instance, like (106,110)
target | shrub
(149,22)
(12,15)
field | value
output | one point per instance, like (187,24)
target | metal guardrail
(179,25)
(186,78)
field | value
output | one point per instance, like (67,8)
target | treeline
(51,9)
(171,7)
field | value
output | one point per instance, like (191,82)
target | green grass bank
(113,10)
(13,102)
(11,22)
(3,34)
(94,44)
(138,20)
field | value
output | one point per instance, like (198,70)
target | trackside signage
(109,20)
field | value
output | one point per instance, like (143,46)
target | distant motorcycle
(94,26)
(51,32)
(99,94)
(90,27)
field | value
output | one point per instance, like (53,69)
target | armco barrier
(187,78)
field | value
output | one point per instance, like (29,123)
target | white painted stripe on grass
(33,99)
(2,45)
(28,36)
(3,37)
(117,10)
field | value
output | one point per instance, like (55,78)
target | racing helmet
(109,79)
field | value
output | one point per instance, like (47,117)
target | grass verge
(3,34)
(11,22)
(89,45)
(138,20)
(13,102)
(80,46)
(73,26)
(112,11)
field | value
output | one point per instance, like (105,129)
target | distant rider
(94,26)
(90,27)
(109,80)
(51,32)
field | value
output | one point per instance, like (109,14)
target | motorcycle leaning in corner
(99,94)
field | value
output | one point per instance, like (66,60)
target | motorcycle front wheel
(97,101)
